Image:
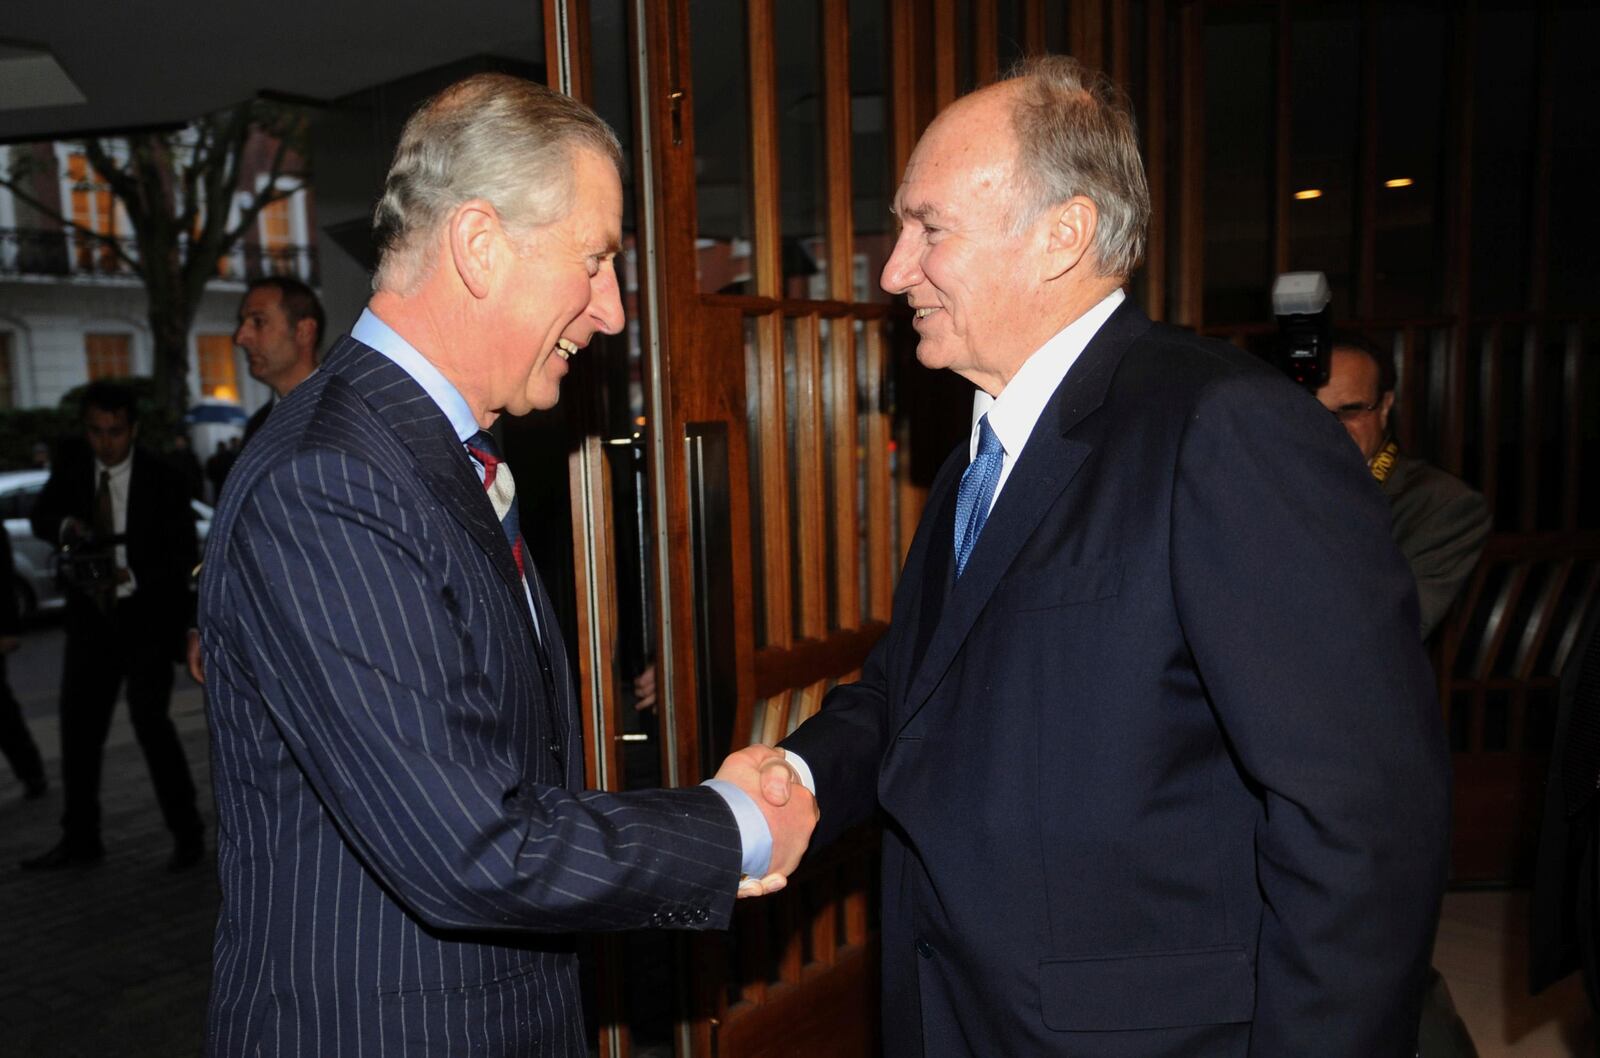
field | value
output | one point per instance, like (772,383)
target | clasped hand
(787,806)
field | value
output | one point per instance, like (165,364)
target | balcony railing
(42,252)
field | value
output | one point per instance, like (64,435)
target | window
(218,372)
(94,208)
(109,355)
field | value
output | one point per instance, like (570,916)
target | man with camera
(122,519)
(1440,524)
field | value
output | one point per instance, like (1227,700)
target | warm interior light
(1399,181)
(1310,192)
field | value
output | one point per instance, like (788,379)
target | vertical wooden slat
(1542,620)
(1155,157)
(836,138)
(880,532)
(1088,33)
(846,526)
(1367,191)
(1283,130)
(1544,164)
(1033,42)
(567,22)
(810,471)
(774,457)
(1572,377)
(985,41)
(767,254)
(1533,381)
(1490,416)
(944,54)
(1191,196)
(1121,52)
(1461,251)
(594,568)
(825,920)
(1413,390)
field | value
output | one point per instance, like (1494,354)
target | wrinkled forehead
(969,152)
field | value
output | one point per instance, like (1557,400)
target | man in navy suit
(404,843)
(1151,732)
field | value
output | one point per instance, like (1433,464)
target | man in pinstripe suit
(404,847)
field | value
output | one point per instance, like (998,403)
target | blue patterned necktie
(976,493)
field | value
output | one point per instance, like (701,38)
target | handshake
(788,808)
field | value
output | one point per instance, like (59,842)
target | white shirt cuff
(754,835)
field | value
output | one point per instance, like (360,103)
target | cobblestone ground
(111,961)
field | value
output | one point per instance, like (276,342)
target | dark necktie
(502,490)
(976,493)
(105,516)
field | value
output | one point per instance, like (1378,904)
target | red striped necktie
(502,490)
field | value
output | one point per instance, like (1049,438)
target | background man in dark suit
(1439,523)
(1138,801)
(280,331)
(125,618)
(403,838)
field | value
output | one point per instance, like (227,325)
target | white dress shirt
(1015,412)
(121,474)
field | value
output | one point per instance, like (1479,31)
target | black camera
(89,566)
(1305,332)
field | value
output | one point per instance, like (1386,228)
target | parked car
(37,588)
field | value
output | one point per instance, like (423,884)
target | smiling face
(976,287)
(560,289)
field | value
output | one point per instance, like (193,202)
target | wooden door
(743,457)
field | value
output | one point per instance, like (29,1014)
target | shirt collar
(1014,413)
(371,331)
(117,472)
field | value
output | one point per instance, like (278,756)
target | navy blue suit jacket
(403,843)
(1163,774)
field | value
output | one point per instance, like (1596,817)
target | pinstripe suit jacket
(403,846)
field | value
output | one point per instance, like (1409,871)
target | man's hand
(197,667)
(789,809)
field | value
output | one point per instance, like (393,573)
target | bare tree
(178,189)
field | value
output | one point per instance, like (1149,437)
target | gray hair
(1076,135)
(491,136)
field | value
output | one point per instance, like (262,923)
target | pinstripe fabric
(403,848)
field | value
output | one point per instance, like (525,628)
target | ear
(1071,235)
(305,331)
(475,235)
(1384,406)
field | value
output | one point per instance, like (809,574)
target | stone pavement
(111,961)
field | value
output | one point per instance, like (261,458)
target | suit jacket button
(924,949)
(554,746)
(701,914)
(655,919)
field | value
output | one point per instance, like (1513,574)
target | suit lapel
(1048,463)
(427,434)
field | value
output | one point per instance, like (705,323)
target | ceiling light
(1399,181)
(1308,193)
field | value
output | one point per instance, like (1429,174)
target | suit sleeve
(10,617)
(844,746)
(361,659)
(1301,618)
(52,507)
(1443,550)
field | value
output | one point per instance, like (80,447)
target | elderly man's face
(563,288)
(1351,393)
(971,281)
